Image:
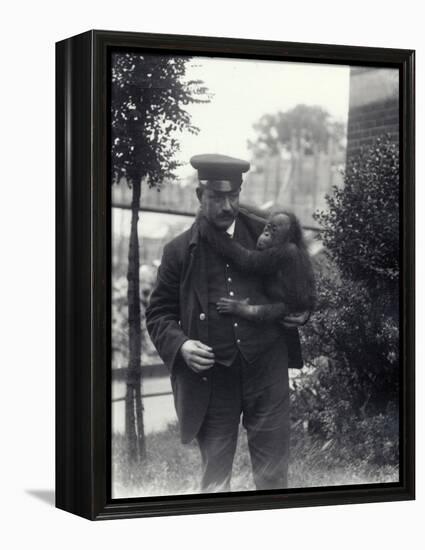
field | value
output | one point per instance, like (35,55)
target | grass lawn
(173,468)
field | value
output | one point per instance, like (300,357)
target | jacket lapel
(196,275)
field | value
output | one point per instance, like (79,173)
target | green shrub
(351,344)
(361,227)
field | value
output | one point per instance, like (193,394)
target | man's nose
(226,204)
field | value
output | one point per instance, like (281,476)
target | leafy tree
(149,97)
(304,126)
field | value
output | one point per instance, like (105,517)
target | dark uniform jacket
(176,313)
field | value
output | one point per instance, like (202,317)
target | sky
(244,90)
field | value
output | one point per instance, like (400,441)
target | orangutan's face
(275,233)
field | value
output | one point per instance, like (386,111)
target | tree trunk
(134,427)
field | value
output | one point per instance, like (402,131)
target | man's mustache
(227,215)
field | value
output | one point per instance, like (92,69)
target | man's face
(219,207)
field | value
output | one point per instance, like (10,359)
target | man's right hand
(198,356)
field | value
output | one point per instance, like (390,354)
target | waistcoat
(229,335)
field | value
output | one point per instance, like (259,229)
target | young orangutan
(281,257)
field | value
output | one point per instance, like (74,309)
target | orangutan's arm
(263,262)
(250,312)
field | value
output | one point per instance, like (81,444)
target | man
(221,367)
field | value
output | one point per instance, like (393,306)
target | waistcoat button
(202,316)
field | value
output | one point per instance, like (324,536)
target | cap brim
(222,186)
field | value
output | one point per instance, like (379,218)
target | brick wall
(373,106)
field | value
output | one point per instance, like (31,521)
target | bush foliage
(352,341)
(361,227)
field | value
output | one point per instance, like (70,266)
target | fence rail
(155,210)
(154,370)
(186,213)
(144,395)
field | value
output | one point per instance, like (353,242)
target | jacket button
(204,379)
(202,316)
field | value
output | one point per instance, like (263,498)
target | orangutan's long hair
(299,278)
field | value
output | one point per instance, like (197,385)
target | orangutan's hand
(230,306)
(296,319)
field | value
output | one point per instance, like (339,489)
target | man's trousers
(259,392)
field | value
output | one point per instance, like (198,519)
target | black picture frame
(83,275)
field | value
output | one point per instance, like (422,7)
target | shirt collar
(231,229)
